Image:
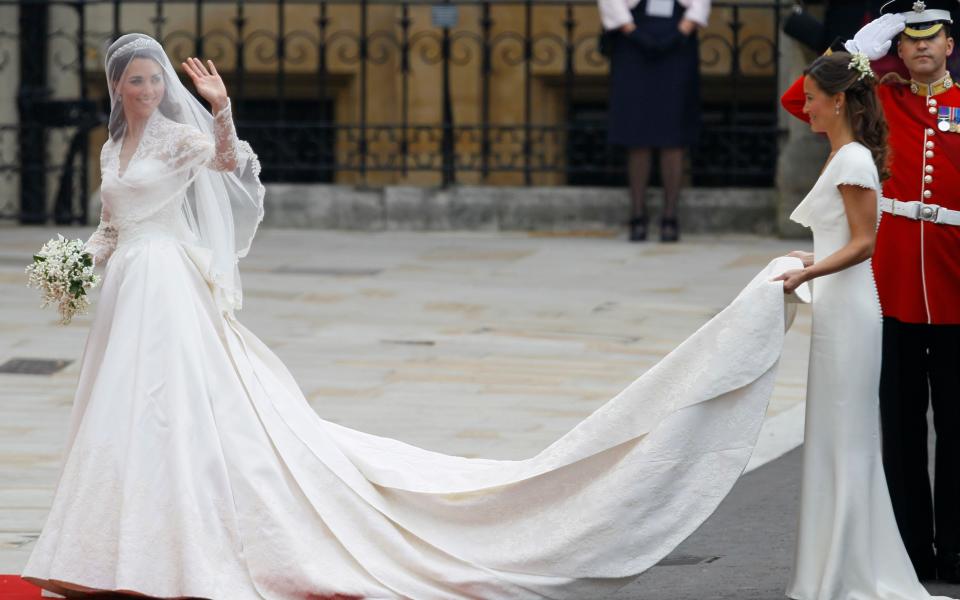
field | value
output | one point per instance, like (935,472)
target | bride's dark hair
(833,74)
(115,69)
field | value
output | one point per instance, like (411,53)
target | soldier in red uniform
(916,265)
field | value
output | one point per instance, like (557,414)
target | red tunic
(916,263)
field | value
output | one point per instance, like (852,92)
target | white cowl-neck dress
(848,545)
(195,467)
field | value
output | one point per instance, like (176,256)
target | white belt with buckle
(919,211)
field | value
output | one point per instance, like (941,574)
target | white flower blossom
(63,272)
(861,63)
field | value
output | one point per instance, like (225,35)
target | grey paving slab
(745,550)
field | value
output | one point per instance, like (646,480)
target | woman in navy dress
(654,95)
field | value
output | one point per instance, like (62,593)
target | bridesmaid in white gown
(195,467)
(848,547)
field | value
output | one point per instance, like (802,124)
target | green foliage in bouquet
(63,272)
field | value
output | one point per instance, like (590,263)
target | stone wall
(505,208)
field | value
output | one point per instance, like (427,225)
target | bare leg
(671,172)
(638,173)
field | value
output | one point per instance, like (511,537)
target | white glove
(874,38)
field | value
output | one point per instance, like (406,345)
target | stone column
(802,153)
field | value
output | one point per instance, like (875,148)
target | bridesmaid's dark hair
(833,74)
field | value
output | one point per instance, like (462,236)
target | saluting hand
(874,38)
(207,81)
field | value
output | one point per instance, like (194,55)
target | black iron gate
(307,82)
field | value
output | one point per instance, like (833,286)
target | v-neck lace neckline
(121,170)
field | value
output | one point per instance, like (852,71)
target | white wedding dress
(848,546)
(195,467)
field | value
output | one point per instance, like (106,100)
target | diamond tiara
(137,44)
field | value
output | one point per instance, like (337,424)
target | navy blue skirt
(654,97)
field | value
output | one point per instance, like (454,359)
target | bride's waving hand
(207,81)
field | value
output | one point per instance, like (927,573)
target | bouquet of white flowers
(63,272)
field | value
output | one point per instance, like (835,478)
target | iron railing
(368,91)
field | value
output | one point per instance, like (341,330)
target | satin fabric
(195,467)
(848,545)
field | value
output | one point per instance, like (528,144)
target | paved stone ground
(745,550)
(472,344)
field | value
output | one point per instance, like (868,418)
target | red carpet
(14,588)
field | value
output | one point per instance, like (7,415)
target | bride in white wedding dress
(194,467)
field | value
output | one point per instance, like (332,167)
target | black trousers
(921,364)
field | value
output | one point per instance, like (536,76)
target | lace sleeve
(103,241)
(232,153)
(226,152)
(191,147)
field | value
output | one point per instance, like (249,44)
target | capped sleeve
(857,168)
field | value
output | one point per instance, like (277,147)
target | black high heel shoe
(638,229)
(669,229)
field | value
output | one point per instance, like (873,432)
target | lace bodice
(148,195)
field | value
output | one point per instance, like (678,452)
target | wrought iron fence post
(776,67)
(281,59)
(569,25)
(198,25)
(447,144)
(116,20)
(486,68)
(158,21)
(363,51)
(527,90)
(85,158)
(405,23)
(80,146)
(323,21)
(735,26)
(239,22)
(34,19)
